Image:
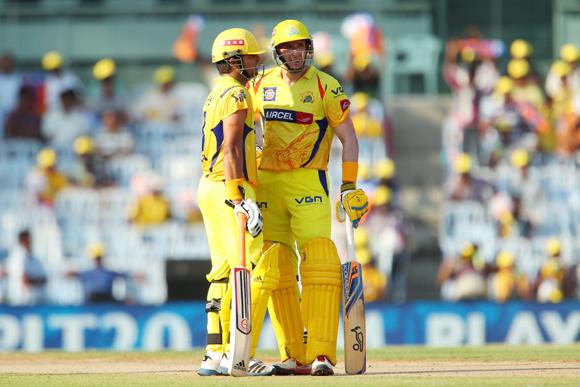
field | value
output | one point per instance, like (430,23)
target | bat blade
(353,309)
(240,322)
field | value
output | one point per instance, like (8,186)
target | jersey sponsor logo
(344,104)
(233,42)
(308,200)
(269,94)
(289,116)
(307,97)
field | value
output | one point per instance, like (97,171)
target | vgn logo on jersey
(308,200)
(269,94)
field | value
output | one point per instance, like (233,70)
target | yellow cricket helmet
(233,42)
(103,69)
(289,31)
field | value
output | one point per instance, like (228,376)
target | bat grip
(242,220)
(350,257)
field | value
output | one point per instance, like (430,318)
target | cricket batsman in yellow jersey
(302,108)
(229,179)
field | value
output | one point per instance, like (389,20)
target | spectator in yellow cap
(107,97)
(384,173)
(526,87)
(506,283)
(152,207)
(463,185)
(460,277)
(45,181)
(561,81)
(63,125)
(569,54)
(90,169)
(162,103)
(521,49)
(57,80)
(363,75)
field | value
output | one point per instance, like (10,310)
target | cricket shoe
(321,367)
(258,368)
(291,367)
(210,364)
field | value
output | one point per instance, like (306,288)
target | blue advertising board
(181,326)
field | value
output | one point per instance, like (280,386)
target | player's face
(293,53)
(251,64)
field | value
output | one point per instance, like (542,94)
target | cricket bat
(353,310)
(241,319)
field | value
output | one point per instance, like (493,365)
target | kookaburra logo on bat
(358,346)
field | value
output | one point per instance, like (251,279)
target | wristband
(349,171)
(233,191)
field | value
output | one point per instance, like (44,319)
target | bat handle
(350,257)
(242,220)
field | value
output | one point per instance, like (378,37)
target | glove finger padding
(255,221)
(340,214)
(355,204)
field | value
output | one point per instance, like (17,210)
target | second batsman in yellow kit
(302,109)
(229,180)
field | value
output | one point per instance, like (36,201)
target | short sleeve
(336,103)
(235,99)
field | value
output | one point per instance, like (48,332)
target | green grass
(422,366)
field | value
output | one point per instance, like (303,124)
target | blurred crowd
(511,147)
(100,176)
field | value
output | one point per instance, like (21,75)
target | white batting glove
(255,221)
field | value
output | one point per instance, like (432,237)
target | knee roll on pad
(321,287)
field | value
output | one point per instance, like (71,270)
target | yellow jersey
(227,97)
(298,120)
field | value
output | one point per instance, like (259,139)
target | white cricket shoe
(210,364)
(291,367)
(258,368)
(321,367)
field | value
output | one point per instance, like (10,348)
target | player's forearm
(347,136)
(233,160)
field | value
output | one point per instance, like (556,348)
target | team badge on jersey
(344,104)
(307,97)
(269,94)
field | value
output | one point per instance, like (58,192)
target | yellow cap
(468,54)
(163,75)
(518,68)
(553,247)
(360,62)
(561,68)
(556,296)
(462,163)
(289,31)
(363,256)
(468,250)
(232,42)
(360,101)
(52,60)
(505,260)
(324,59)
(521,49)
(361,238)
(520,158)
(104,68)
(46,158)
(382,196)
(569,53)
(83,145)
(363,171)
(504,85)
(384,169)
(96,249)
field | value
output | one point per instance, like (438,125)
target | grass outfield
(490,365)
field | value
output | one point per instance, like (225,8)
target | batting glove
(352,202)
(255,221)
